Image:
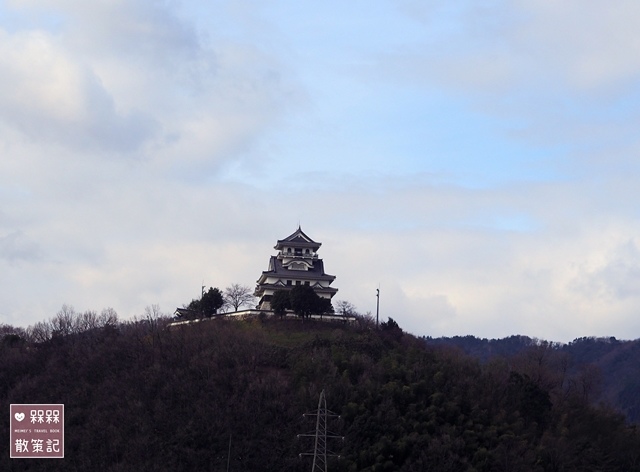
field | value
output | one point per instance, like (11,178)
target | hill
(606,370)
(139,396)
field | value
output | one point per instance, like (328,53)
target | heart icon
(19,416)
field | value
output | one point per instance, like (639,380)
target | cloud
(588,44)
(135,77)
(557,80)
(614,275)
(445,274)
(580,46)
(51,98)
(453,272)
(17,247)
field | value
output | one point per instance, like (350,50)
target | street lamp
(377,305)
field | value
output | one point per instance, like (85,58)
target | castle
(297,263)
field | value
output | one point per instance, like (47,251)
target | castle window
(288,282)
(297,282)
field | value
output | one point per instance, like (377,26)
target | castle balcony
(298,255)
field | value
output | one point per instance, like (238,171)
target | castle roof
(277,269)
(298,239)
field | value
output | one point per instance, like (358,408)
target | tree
(303,300)
(64,322)
(306,302)
(280,302)
(209,304)
(345,308)
(237,295)
(391,328)
(390,325)
(323,306)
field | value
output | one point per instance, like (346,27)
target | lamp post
(377,305)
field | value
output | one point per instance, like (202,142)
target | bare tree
(65,322)
(345,308)
(92,320)
(236,296)
(108,317)
(6,329)
(40,332)
(153,315)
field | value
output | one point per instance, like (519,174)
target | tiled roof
(317,288)
(315,273)
(298,239)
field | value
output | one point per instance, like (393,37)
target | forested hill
(604,370)
(139,396)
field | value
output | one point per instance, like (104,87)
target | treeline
(141,396)
(604,369)
(67,321)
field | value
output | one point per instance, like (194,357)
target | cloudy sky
(477,161)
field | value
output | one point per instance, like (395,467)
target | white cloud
(578,45)
(16,246)
(51,98)
(589,44)
(436,278)
(135,76)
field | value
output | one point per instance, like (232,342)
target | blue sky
(478,163)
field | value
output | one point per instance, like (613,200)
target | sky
(475,161)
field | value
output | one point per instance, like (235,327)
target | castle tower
(296,263)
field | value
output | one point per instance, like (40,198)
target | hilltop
(139,396)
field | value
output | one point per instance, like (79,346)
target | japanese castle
(297,263)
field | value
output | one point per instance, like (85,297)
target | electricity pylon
(320,452)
